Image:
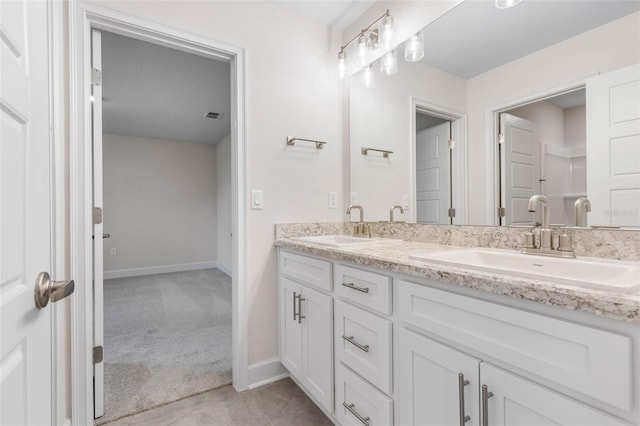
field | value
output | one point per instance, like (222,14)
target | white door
(518,402)
(290,327)
(25,214)
(432,391)
(432,174)
(613,147)
(519,168)
(98,260)
(316,314)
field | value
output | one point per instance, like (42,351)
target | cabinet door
(317,346)
(290,327)
(430,390)
(516,401)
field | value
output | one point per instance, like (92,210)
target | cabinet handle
(461,384)
(300,316)
(352,286)
(294,305)
(351,340)
(485,405)
(352,410)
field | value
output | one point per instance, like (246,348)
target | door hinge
(452,144)
(500,139)
(502,212)
(452,212)
(97,215)
(96,77)
(98,354)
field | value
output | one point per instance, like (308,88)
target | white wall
(159,205)
(223,199)
(292,88)
(380,117)
(603,49)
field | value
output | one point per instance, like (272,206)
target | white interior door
(432,174)
(520,168)
(613,147)
(98,260)
(25,214)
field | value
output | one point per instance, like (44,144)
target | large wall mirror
(541,98)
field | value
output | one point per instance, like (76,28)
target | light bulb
(367,76)
(362,49)
(414,48)
(506,4)
(342,63)
(389,63)
(386,31)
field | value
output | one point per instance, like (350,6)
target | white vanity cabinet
(306,325)
(408,351)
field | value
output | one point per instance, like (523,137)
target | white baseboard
(223,268)
(136,272)
(265,372)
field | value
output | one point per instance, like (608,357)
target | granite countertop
(394,256)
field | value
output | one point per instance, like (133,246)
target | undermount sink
(612,275)
(342,240)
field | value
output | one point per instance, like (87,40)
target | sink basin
(342,240)
(611,275)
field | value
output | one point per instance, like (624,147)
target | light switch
(333,200)
(354,198)
(256,199)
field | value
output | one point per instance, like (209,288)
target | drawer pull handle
(461,384)
(352,410)
(351,340)
(298,314)
(485,405)
(352,286)
(295,314)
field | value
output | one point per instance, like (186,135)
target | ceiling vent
(213,115)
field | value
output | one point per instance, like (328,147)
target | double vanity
(392,330)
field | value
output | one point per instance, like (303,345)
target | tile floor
(280,403)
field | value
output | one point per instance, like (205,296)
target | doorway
(85,17)
(162,313)
(542,150)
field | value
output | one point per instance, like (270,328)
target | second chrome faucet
(361,229)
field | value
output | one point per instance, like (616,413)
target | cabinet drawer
(357,398)
(594,362)
(306,269)
(363,343)
(366,288)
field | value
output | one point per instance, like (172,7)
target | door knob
(47,289)
(106,235)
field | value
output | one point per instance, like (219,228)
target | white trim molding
(163,269)
(83,17)
(265,372)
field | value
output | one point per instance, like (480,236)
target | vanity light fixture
(367,76)
(367,40)
(414,47)
(389,63)
(506,4)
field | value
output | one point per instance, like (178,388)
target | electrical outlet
(333,200)
(354,198)
(405,202)
(114,251)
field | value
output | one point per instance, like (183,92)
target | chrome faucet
(578,206)
(361,229)
(391,212)
(545,246)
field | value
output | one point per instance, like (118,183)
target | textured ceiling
(157,92)
(475,36)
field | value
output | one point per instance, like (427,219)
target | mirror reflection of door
(544,152)
(433,169)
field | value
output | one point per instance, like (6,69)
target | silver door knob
(106,235)
(46,290)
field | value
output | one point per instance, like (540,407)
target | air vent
(213,115)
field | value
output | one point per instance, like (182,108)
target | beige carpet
(167,336)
